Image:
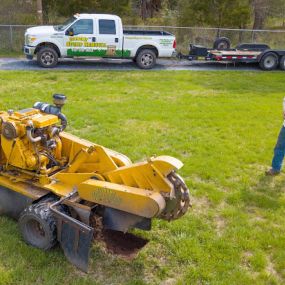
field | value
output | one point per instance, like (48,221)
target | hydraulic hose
(63,121)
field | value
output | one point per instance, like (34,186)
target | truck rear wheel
(38,226)
(47,57)
(282,63)
(146,59)
(269,61)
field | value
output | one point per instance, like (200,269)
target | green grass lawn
(5,53)
(222,125)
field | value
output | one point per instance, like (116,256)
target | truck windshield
(65,24)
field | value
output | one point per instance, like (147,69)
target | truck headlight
(30,39)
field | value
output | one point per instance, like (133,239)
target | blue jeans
(279,151)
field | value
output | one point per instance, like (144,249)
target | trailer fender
(260,56)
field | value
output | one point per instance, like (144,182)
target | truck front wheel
(47,57)
(146,59)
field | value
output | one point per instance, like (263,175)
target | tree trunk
(143,5)
(40,11)
(260,9)
(149,7)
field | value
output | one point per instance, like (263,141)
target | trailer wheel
(282,63)
(47,57)
(38,226)
(269,61)
(146,59)
(222,43)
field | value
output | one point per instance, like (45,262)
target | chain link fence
(12,36)
(206,36)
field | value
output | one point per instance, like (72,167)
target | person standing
(279,150)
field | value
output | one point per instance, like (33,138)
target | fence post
(11,37)
(252,36)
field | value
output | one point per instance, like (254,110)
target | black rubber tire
(269,61)
(222,43)
(146,59)
(282,63)
(38,226)
(47,57)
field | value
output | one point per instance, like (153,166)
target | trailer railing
(12,36)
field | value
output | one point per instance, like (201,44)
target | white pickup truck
(97,35)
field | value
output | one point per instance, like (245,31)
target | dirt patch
(246,256)
(169,281)
(271,270)
(220,225)
(200,205)
(125,245)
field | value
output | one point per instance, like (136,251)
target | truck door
(79,38)
(109,37)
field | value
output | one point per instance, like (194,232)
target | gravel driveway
(115,64)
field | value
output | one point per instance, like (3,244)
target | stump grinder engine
(55,183)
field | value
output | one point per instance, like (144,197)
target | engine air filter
(59,100)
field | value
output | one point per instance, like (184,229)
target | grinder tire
(38,226)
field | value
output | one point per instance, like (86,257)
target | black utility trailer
(262,54)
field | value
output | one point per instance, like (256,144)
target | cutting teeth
(182,199)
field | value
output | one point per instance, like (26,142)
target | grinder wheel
(177,206)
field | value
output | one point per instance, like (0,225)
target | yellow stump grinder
(54,183)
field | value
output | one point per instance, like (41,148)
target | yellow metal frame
(102,176)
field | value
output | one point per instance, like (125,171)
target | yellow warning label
(86,44)
(78,39)
(95,45)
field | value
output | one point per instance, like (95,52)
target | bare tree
(260,13)
(149,7)
(143,7)
(40,11)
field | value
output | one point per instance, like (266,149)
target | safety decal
(105,195)
(166,42)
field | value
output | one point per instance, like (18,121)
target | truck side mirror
(70,32)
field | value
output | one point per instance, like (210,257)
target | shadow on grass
(266,194)
(44,266)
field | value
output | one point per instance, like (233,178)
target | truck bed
(146,33)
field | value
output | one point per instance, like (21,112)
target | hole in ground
(125,245)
